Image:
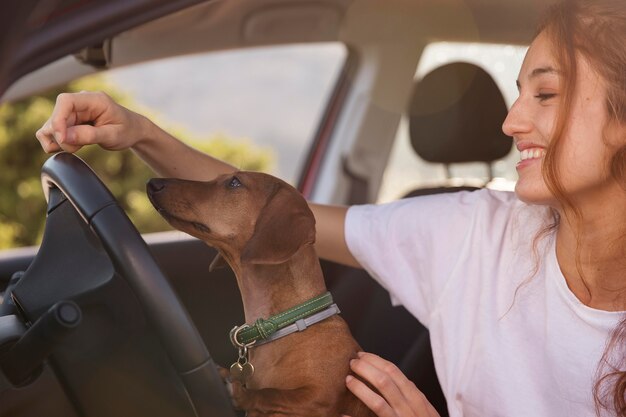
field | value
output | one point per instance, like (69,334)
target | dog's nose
(155,185)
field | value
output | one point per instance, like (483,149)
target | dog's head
(257,216)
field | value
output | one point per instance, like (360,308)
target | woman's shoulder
(467,200)
(488,196)
(487,206)
(485,198)
(506,205)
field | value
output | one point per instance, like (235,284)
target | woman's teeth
(532,153)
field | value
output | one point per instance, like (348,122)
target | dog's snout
(155,185)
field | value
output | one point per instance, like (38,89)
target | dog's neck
(267,290)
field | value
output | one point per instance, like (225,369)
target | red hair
(596,30)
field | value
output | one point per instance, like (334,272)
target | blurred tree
(22,203)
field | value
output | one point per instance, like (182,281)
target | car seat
(455,116)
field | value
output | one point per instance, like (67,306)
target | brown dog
(265,230)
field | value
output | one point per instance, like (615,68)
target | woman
(524,294)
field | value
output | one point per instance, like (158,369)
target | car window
(272,97)
(406,171)
(256,108)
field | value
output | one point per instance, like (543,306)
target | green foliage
(22,203)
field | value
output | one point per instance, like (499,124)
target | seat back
(455,116)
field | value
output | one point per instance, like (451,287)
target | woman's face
(583,157)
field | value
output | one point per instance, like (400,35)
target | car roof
(55,29)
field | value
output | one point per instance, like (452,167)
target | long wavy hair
(596,30)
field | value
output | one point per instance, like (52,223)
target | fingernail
(70,137)
(349,378)
(57,137)
(360,354)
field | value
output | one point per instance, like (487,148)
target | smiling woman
(585,170)
(569,125)
(532,119)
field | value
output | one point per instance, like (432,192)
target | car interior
(99,320)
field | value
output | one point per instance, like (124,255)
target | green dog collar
(262,329)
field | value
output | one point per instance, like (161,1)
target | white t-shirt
(507,340)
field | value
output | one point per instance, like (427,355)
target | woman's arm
(330,241)
(87,118)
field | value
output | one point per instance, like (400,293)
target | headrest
(456,114)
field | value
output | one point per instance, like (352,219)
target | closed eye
(545,96)
(234,183)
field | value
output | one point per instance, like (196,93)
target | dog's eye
(234,183)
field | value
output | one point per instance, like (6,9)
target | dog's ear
(283,227)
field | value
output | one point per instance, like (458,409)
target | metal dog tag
(241,372)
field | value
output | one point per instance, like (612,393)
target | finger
(49,146)
(405,385)
(385,383)
(416,400)
(46,138)
(69,148)
(48,141)
(372,400)
(73,109)
(87,135)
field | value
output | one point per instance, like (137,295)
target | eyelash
(545,96)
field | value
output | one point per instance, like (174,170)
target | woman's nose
(516,121)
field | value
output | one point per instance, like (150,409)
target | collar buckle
(234,334)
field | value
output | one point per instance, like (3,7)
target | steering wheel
(132,259)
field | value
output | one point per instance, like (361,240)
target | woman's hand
(397,396)
(90,118)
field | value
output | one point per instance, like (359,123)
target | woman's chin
(536,194)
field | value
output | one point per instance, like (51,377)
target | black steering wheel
(132,259)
